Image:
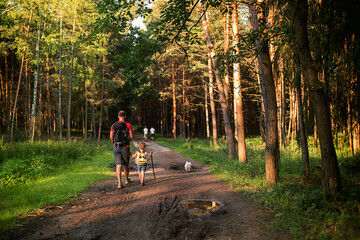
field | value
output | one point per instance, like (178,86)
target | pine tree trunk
(102,98)
(272,155)
(86,105)
(48,102)
(238,104)
(33,108)
(304,143)
(206,112)
(226,50)
(330,169)
(228,130)
(18,86)
(183,109)
(174,100)
(60,69)
(93,109)
(212,102)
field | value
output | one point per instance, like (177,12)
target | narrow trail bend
(153,211)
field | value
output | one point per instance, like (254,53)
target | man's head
(122,114)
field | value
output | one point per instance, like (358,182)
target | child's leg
(143,176)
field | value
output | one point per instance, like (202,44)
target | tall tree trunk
(228,130)
(238,104)
(86,104)
(37,50)
(212,102)
(60,70)
(272,155)
(184,108)
(330,169)
(70,80)
(174,99)
(93,108)
(206,112)
(304,143)
(21,68)
(102,97)
(48,103)
(226,50)
(283,104)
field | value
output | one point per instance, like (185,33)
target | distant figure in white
(188,166)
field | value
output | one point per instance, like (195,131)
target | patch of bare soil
(154,211)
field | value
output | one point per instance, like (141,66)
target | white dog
(188,166)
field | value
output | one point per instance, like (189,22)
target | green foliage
(299,203)
(21,162)
(73,167)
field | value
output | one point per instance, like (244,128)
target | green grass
(299,204)
(62,171)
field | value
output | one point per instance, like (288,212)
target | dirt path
(153,211)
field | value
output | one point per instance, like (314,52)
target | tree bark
(228,130)
(238,104)
(304,143)
(330,169)
(184,107)
(206,112)
(60,66)
(102,98)
(174,99)
(212,102)
(272,155)
(70,81)
(33,108)
(18,86)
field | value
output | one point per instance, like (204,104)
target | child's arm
(134,155)
(150,153)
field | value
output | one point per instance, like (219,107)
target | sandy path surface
(154,211)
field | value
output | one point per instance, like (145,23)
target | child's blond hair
(142,145)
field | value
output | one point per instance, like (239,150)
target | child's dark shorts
(122,155)
(141,168)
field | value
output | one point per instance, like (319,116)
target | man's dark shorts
(122,155)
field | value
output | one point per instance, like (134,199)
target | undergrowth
(298,202)
(34,175)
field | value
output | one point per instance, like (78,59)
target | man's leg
(118,172)
(126,171)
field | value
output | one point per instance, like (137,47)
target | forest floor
(158,210)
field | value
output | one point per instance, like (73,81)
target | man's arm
(111,136)
(131,135)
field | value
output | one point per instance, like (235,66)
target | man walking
(121,134)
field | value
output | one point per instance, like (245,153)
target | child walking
(141,161)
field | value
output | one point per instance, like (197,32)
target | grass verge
(299,204)
(52,181)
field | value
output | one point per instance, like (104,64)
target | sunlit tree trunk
(48,103)
(18,86)
(228,130)
(60,69)
(226,50)
(70,81)
(206,112)
(184,107)
(212,102)
(174,99)
(93,109)
(330,169)
(86,103)
(102,97)
(33,108)
(272,155)
(238,104)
